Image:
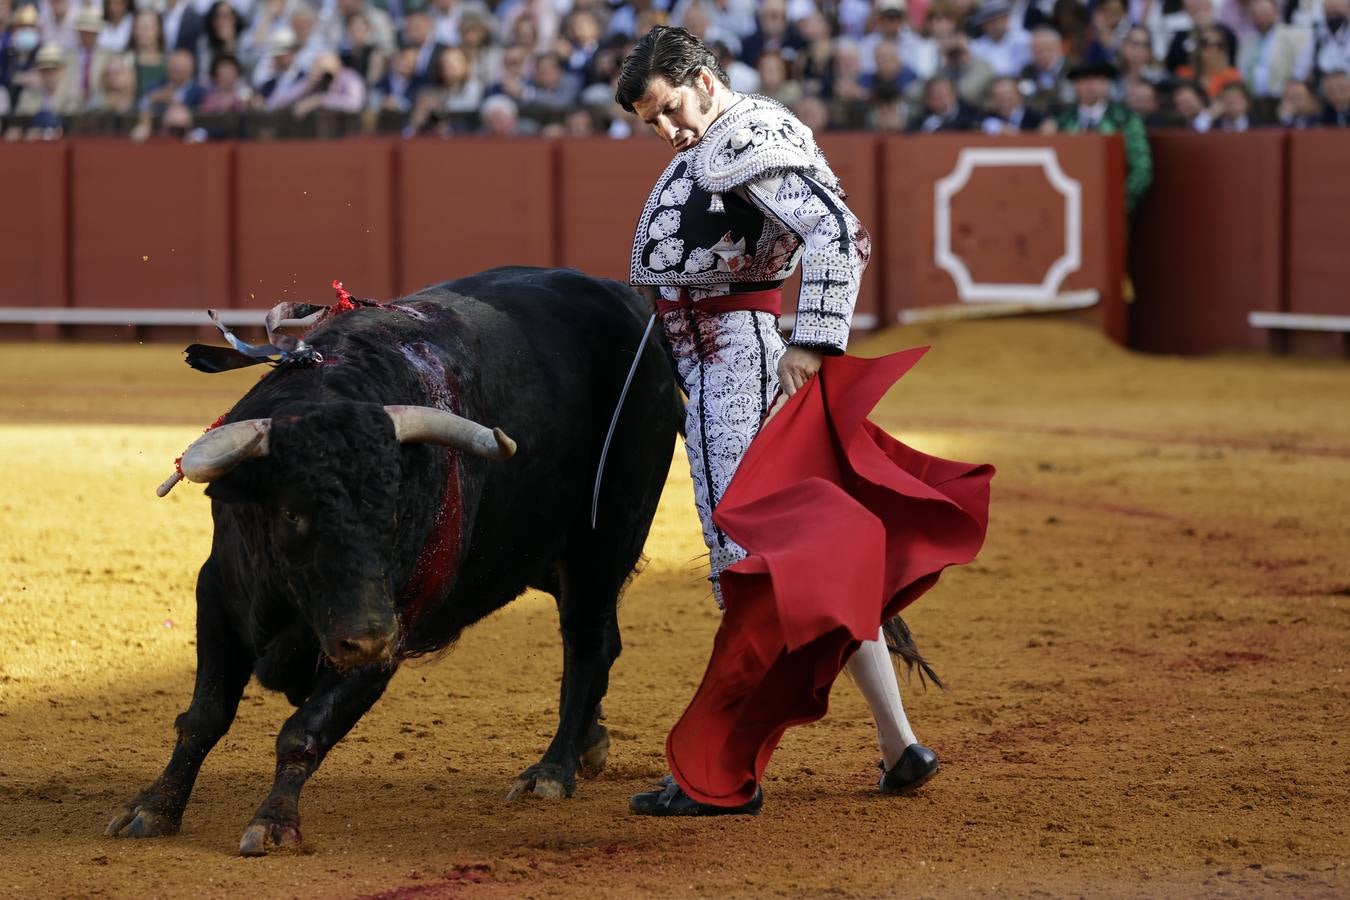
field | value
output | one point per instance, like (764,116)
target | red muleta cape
(845,526)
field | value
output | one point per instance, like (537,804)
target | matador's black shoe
(915,766)
(671,800)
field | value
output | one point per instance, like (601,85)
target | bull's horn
(424,425)
(216,453)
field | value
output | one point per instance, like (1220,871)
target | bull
(365,514)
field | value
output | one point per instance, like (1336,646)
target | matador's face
(680,114)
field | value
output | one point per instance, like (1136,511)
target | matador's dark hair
(668,52)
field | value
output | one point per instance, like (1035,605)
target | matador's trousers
(728,363)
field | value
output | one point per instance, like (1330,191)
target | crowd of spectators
(196,69)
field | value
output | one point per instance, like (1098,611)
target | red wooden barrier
(1319,222)
(602,185)
(310,212)
(1207,242)
(150,225)
(35,188)
(467,205)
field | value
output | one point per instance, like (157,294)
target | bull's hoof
(596,754)
(139,821)
(545,780)
(260,837)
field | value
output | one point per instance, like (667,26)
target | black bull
(339,550)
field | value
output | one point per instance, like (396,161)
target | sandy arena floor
(1147,664)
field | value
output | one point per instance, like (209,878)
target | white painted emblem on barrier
(999,157)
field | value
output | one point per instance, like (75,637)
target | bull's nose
(354,651)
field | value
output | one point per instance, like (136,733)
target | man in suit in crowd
(943,110)
(1267,56)
(1007,114)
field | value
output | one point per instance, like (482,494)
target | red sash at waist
(770,301)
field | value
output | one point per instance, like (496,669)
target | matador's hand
(796,368)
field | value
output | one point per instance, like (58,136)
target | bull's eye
(290,516)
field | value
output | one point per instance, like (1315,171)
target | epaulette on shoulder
(753,138)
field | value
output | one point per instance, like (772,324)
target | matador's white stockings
(875,676)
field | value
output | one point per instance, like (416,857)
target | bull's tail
(900,642)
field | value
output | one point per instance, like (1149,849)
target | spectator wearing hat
(1095,112)
(1267,56)
(52,95)
(280,68)
(85,65)
(268,20)
(1006,112)
(943,109)
(1043,82)
(892,27)
(114,35)
(20,39)
(1210,64)
(1004,50)
(1336,99)
(1298,107)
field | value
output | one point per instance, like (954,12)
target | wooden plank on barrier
(308,213)
(1021,219)
(1207,242)
(33,230)
(468,205)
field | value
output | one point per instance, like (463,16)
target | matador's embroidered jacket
(737,212)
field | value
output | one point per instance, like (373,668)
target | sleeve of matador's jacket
(1138,160)
(835,251)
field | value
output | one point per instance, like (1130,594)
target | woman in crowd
(1210,65)
(147,51)
(223,36)
(476,40)
(115,36)
(1136,62)
(229,91)
(453,98)
(359,52)
(116,87)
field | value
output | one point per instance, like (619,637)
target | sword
(614,420)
